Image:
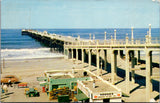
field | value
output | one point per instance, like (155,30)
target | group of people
(5,86)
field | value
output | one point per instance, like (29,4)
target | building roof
(99,86)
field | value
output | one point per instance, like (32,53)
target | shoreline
(23,59)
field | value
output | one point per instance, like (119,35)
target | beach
(49,46)
(27,70)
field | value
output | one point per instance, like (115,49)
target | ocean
(17,46)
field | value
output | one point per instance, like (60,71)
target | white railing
(87,42)
(153,40)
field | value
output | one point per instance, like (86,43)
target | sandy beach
(27,71)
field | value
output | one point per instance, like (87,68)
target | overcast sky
(79,13)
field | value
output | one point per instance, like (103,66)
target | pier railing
(68,40)
(153,40)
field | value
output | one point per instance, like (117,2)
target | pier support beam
(67,53)
(113,65)
(105,60)
(77,54)
(132,66)
(72,54)
(98,54)
(89,58)
(82,56)
(137,55)
(127,71)
(148,75)
(121,53)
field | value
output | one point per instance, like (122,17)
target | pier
(109,51)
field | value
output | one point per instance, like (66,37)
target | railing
(153,40)
(79,41)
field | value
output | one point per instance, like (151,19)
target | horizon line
(79,28)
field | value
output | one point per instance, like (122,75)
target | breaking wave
(28,53)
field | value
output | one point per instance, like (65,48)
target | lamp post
(126,38)
(115,34)
(132,35)
(90,36)
(93,37)
(149,33)
(105,35)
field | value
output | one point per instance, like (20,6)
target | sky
(79,14)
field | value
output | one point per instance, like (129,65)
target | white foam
(28,53)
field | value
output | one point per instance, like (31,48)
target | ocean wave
(28,53)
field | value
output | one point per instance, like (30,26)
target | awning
(41,78)
(43,83)
(81,97)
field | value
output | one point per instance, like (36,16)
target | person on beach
(2,85)
(2,88)
(5,88)
(9,83)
